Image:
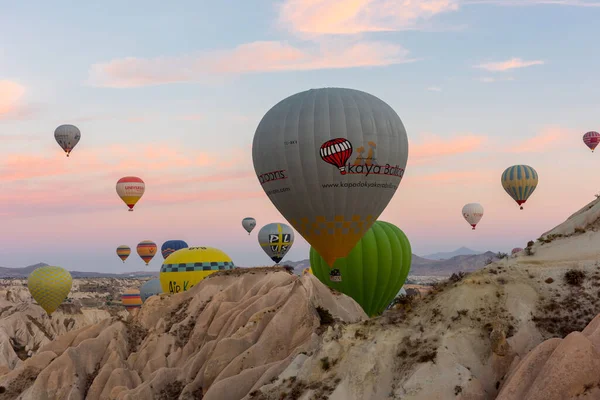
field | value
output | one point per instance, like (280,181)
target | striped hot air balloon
(591,139)
(146,249)
(131,299)
(123,251)
(519,181)
(130,189)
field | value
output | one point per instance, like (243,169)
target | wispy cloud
(357,16)
(513,63)
(548,139)
(432,147)
(348,17)
(11,100)
(489,79)
(434,89)
(173,174)
(256,57)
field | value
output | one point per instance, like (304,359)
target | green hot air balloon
(375,269)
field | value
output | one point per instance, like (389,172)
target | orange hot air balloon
(146,249)
(130,189)
(123,252)
(131,299)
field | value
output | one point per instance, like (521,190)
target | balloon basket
(335,275)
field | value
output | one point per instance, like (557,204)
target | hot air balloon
(374,271)
(276,240)
(49,286)
(146,249)
(330,161)
(150,288)
(516,250)
(519,181)
(123,251)
(131,299)
(472,212)
(591,139)
(170,246)
(67,137)
(130,189)
(186,267)
(248,223)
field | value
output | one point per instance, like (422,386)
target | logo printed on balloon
(337,152)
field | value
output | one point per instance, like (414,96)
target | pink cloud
(508,65)
(266,56)
(549,138)
(357,16)
(433,147)
(11,95)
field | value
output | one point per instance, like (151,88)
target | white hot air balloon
(473,212)
(67,136)
(330,160)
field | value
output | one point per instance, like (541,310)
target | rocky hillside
(505,331)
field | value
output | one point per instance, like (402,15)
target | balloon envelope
(248,223)
(519,181)
(330,160)
(186,267)
(276,239)
(150,288)
(131,299)
(123,252)
(49,286)
(171,246)
(375,269)
(516,250)
(591,139)
(130,189)
(472,212)
(67,136)
(146,249)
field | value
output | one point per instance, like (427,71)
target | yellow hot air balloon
(130,189)
(49,286)
(123,251)
(131,299)
(186,267)
(146,249)
(519,181)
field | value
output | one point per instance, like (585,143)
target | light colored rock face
(223,339)
(504,331)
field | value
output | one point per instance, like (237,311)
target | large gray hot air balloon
(276,240)
(248,223)
(150,288)
(330,160)
(67,137)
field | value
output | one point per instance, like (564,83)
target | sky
(174,93)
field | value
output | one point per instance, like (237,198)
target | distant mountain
(421,266)
(22,273)
(463,251)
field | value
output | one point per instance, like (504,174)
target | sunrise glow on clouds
(179,106)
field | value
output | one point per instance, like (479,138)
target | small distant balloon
(276,239)
(519,181)
(516,250)
(123,251)
(49,286)
(248,223)
(67,136)
(171,246)
(130,189)
(472,212)
(146,249)
(591,139)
